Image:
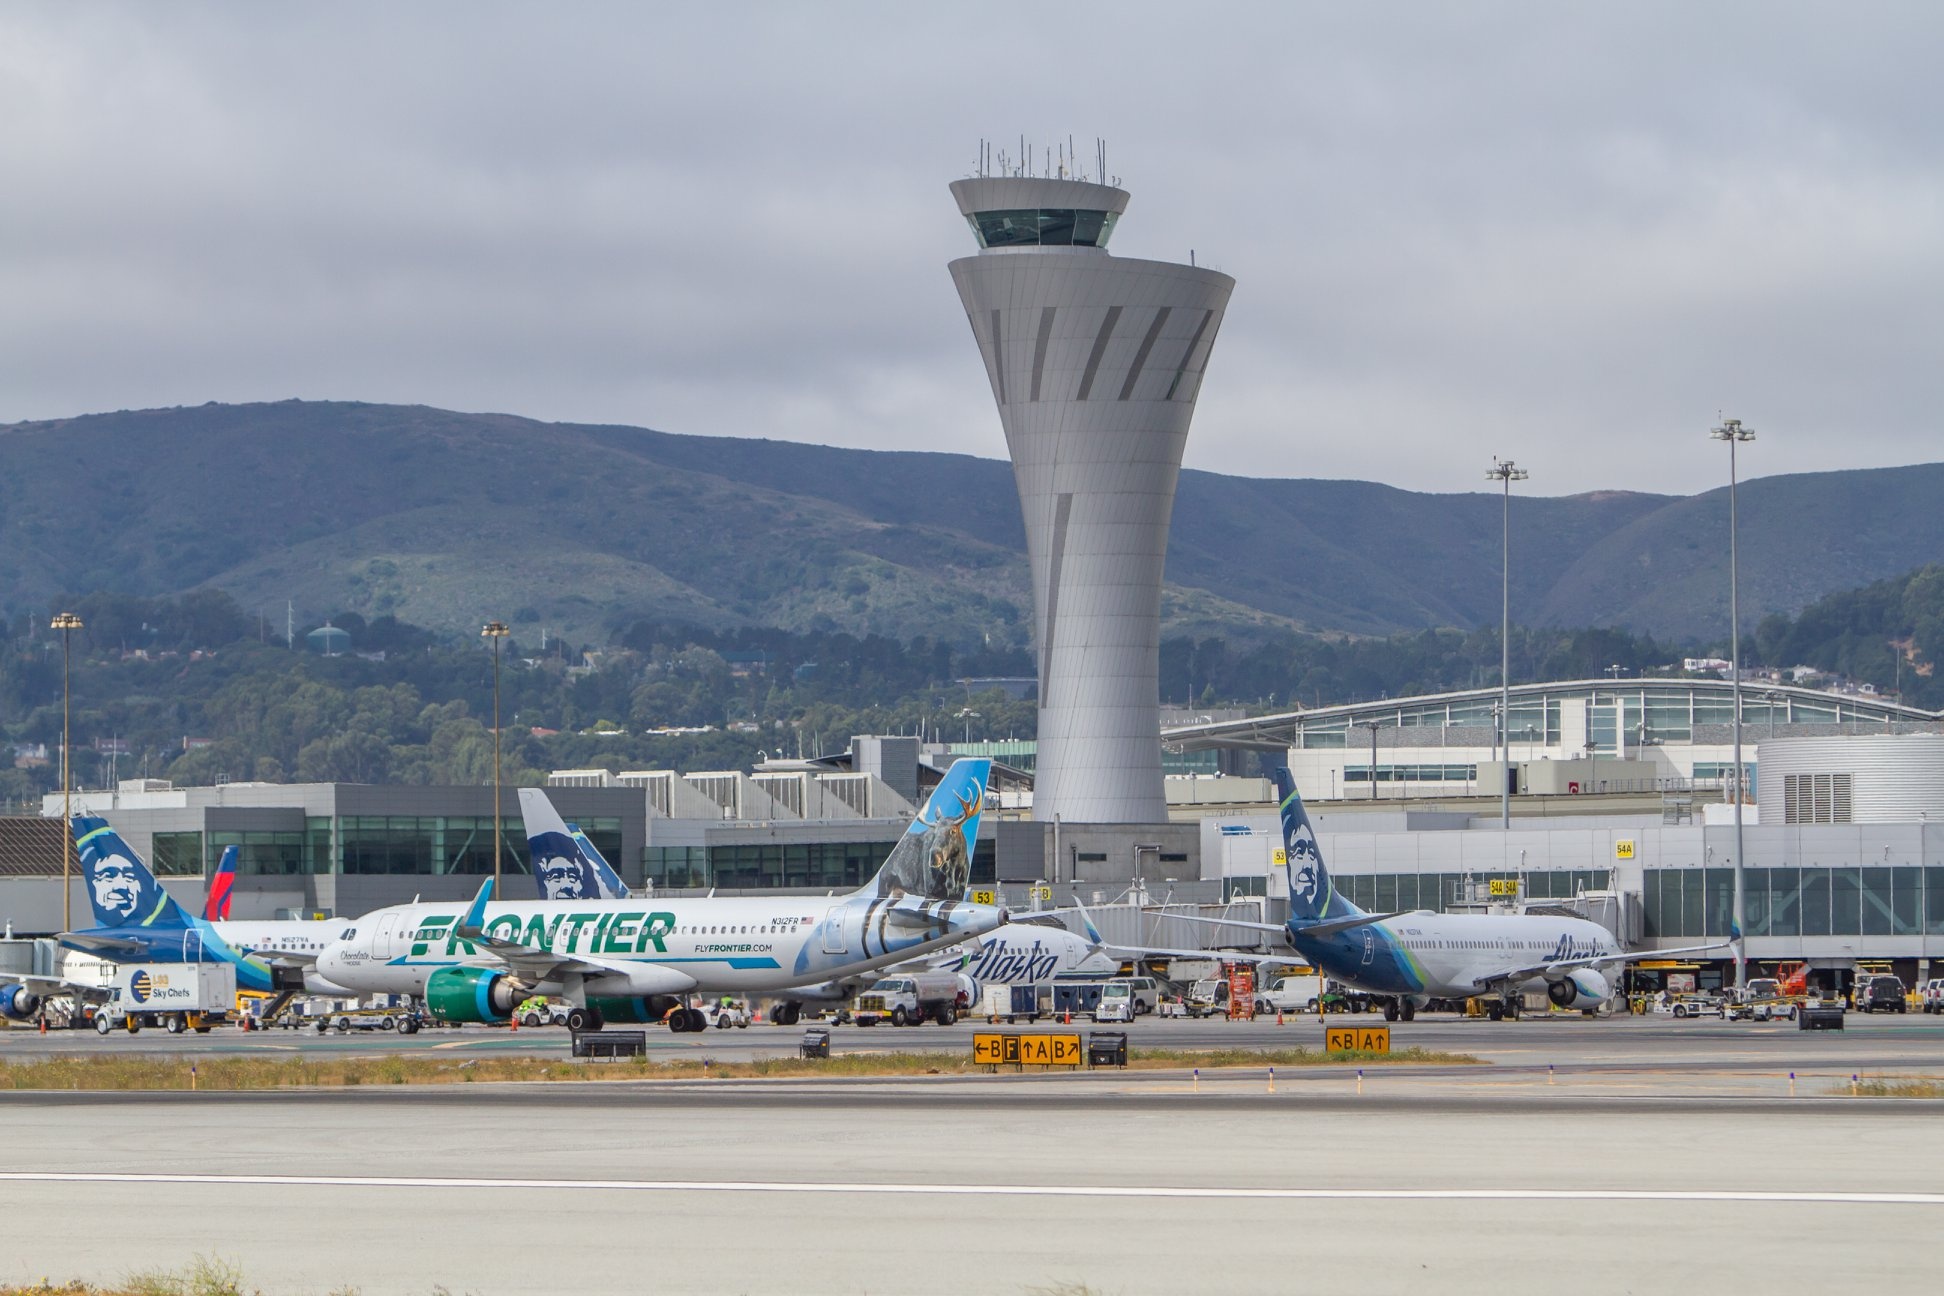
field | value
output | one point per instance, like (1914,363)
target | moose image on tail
(933,861)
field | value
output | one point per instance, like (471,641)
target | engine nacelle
(1582,988)
(649,1009)
(460,994)
(18,1003)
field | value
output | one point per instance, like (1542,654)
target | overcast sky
(1570,235)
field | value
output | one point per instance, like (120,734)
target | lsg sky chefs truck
(175,996)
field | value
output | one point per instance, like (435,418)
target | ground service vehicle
(1763,1000)
(724,1015)
(1687,1006)
(541,1012)
(909,1000)
(1117,1003)
(1290,994)
(174,996)
(1011,1002)
(1209,998)
(1147,993)
(1933,995)
(1881,993)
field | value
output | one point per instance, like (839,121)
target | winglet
(474,921)
(1086,921)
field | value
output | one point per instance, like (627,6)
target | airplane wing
(44,986)
(1567,965)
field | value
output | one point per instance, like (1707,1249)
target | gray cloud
(1564,235)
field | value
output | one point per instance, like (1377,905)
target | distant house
(743,665)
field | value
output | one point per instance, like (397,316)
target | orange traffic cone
(514,1022)
(1279,1020)
(1069,1016)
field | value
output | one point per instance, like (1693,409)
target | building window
(177,854)
(1043,227)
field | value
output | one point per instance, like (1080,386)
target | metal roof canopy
(1272,733)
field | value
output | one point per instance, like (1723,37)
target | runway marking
(1761,1197)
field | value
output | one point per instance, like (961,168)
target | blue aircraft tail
(565,864)
(120,887)
(607,882)
(933,860)
(1311,895)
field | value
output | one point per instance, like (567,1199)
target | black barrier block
(1107,1048)
(610,1044)
(816,1043)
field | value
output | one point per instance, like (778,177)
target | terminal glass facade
(806,865)
(1899,901)
(177,854)
(1390,892)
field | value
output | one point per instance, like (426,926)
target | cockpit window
(349,933)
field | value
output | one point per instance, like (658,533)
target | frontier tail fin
(120,887)
(1311,896)
(933,860)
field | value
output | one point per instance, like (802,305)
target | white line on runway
(1829,1197)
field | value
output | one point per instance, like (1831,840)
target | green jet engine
(460,994)
(636,1008)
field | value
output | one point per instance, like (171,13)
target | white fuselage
(1030,954)
(302,940)
(661,945)
(1452,955)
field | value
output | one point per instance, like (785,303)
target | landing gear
(1495,1012)
(583,1019)
(1391,1010)
(1407,1009)
(683,1019)
(787,1014)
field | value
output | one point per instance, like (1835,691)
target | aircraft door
(192,945)
(1370,945)
(835,939)
(381,939)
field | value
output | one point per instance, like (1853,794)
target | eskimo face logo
(117,883)
(562,878)
(1303,865)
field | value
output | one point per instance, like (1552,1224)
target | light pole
(1772,697)
(1732,431)
(1505,473)
(1372,726)
(66,623)
(496,631)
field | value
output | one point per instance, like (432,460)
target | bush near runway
(149,1071)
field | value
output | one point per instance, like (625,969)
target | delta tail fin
(1312,898)
(222,887)
(933,860)
(120,887)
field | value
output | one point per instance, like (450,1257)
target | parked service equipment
(174,996)
(1881,993)
(1012,1002)
(816,1043)
(1116,1003)
(1290,994)
(910,1000)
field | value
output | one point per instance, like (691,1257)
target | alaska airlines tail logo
(121,890)
(1304,864)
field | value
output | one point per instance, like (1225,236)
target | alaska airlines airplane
(637,960)
(1413,957)
(136,920)
(565,864)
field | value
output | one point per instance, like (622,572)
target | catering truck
(174,996)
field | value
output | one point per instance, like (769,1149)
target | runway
(1125,1184)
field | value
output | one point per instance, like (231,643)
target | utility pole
(1505,473)
(66,623)
(496,631)
(1372,726)
(1732,431)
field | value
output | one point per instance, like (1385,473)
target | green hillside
(442,518)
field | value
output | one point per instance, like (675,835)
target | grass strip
(1879,1087)
(147,1071)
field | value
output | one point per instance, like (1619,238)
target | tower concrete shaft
(1095,363)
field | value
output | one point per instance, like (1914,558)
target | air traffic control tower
(1095,363)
